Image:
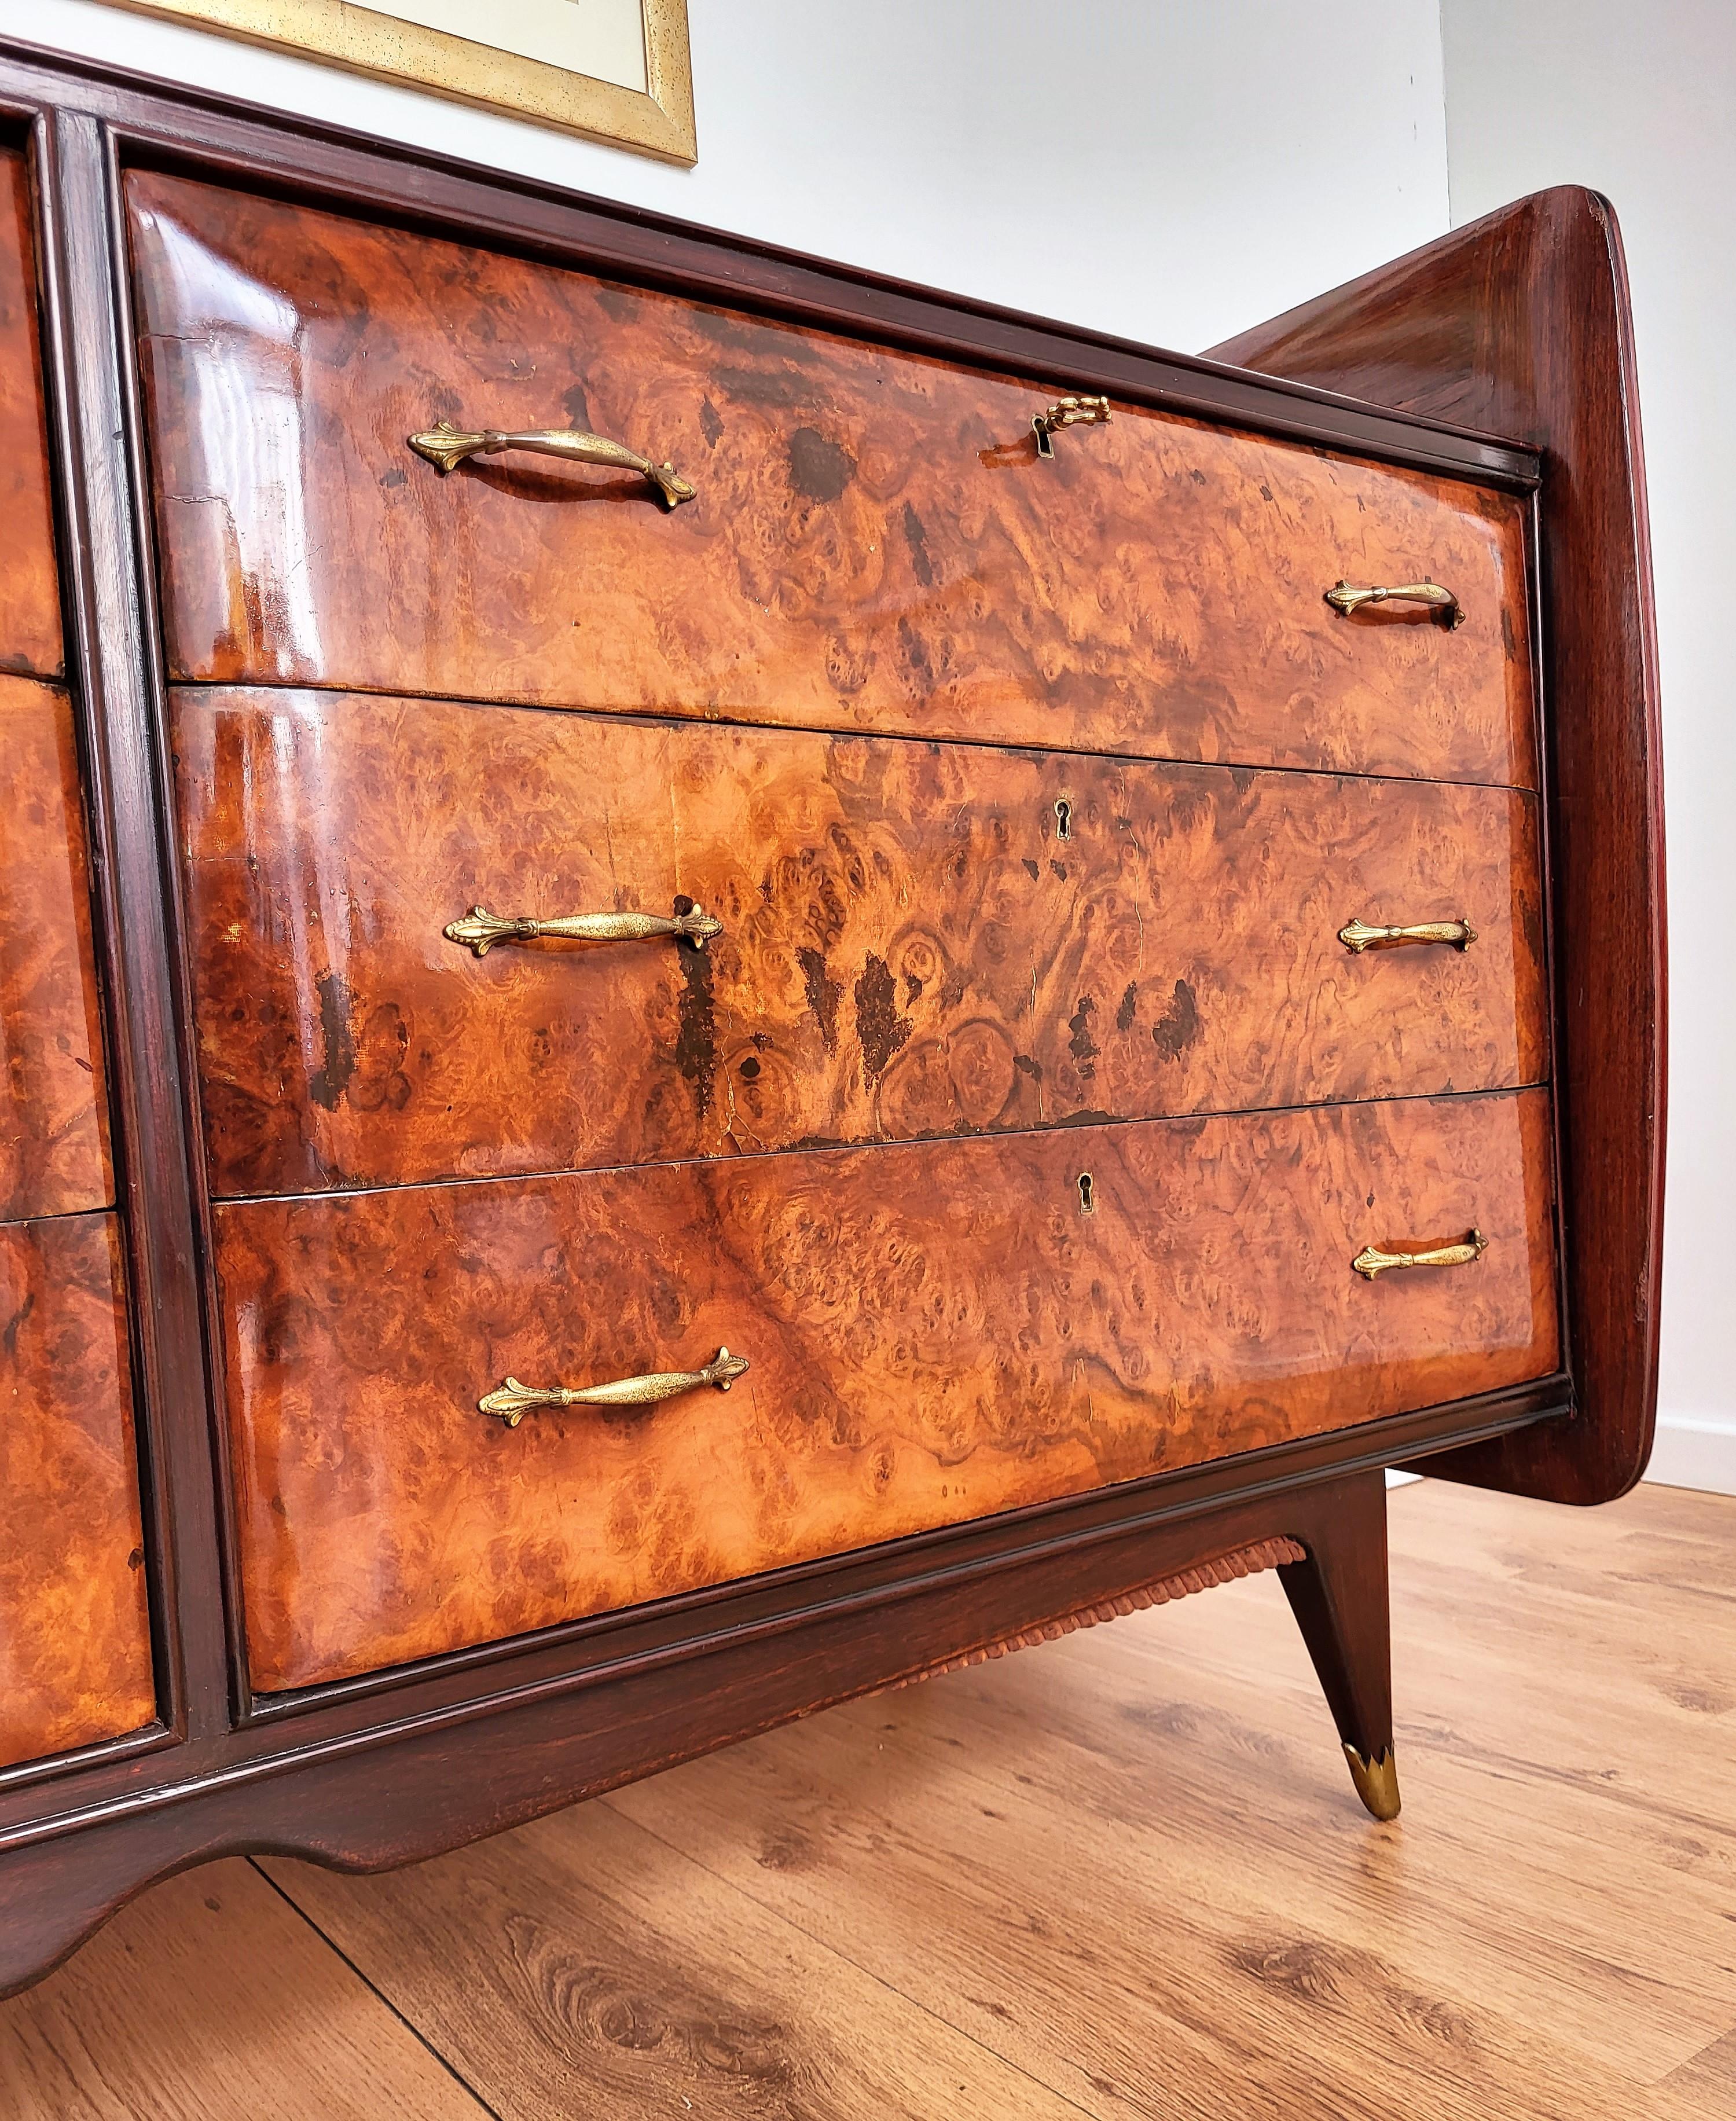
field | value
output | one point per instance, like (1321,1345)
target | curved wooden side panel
(1519,323)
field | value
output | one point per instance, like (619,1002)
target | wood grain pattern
(1519,323)
(874,544)
(212,1999)
(75,1654)
(937,1332)
(54,1100)
(910,948)
(30,590)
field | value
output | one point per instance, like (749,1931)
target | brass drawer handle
(1357,935)
(480,929)
(512,1401)
(1067,413)
(448,446)
(1447,610)
(1370,1262)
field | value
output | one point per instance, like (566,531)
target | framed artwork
(614,70)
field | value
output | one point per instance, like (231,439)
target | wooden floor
(1120,1876)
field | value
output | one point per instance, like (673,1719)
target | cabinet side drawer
(873,539)
(936,1333)
(75,1643)
(53,1108)
(916,939)
(30,590)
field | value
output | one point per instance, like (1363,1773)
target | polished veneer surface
(75,1645)
(936,1332)
(29,593)
(910,945)
(874,542)
(53,1105)
(1086,1213)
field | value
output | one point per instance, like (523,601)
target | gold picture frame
(372,41)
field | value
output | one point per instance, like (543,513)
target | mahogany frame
(381,1770)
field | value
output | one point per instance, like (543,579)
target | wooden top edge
(240,141)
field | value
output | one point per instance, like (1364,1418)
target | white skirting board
(1691,1450)
(1694,1450)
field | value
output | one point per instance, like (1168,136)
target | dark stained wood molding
(1520,323)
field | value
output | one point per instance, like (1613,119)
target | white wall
(1158,168)
(1643,106)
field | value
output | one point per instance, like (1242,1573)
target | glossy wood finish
(936,1332)
(371,1771)
(75,1650)
(54,1100)
(30,593)
(910,947)
(1520,323)
(874,545)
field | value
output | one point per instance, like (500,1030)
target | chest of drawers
(723,983)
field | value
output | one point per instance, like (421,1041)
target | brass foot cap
(1376,1780)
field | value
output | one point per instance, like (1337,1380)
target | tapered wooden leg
(1339,1597)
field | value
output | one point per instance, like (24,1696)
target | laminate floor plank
(1558,1927)
(210,1999)
(581,1966)
(1709,2079)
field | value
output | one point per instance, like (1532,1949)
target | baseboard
(1694,1450)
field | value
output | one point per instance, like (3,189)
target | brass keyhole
(1064,819)
(1087,1199)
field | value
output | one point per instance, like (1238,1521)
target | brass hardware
(1067,413)
(1358,934)
(1370,1262)
(1063,819)
(448,446)
(1447,609)
(1087,1193)
(480,929)
(512,1401)
(1376,1780)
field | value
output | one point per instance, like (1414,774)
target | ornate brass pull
(1370,1262)
(512,1401)
(480,929)
(1067,413)
(1358,934)
(1447,610)
(448,446)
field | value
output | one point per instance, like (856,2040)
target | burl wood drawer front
(53,1125)
(874,541)
(75,1643)
(30,593)
(909,946)
(936,1333)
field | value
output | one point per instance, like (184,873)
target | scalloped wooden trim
(1224,1569)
